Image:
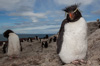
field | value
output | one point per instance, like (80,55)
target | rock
(92,26)
(94,48)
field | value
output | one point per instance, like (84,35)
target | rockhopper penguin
(72,37)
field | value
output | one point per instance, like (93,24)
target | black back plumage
(77,16)
(60,36)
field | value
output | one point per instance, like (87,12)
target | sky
(42,16)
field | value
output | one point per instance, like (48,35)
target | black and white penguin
(5,46)
(46,36)
(29,39)
(54,39)
(72,37)
(14,46)
(50,40)
(44,44)
(36,38)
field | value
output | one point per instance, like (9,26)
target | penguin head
(6,33)
(73,13)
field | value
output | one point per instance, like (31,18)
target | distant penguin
(46,44)
(42,44)
(36,37)
(5,46)
(72,38)
(46,36)
(29,39)
(13,43)
(55,38)
(50,40)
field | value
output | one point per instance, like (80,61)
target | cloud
(54,30)
(14,18)
(70,2)
(21,8)
(96,12)
(38,29)
(35,24)
(87,16)
(55,17)
(30,26)
(58,20)
(9,5)
(30,15)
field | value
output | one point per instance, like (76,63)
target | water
(26,36)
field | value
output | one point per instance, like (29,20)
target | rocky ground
(34,55)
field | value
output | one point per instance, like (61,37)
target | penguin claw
(79,62)
(75,62)
(83,61)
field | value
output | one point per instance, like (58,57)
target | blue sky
(41,16)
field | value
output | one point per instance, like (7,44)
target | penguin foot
(75,62)
(10,58)
(83,61)
(79,62)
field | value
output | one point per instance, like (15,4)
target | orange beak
(71,15)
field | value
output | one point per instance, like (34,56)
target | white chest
(74,44)
(75,28)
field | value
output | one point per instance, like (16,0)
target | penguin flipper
(60,36)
